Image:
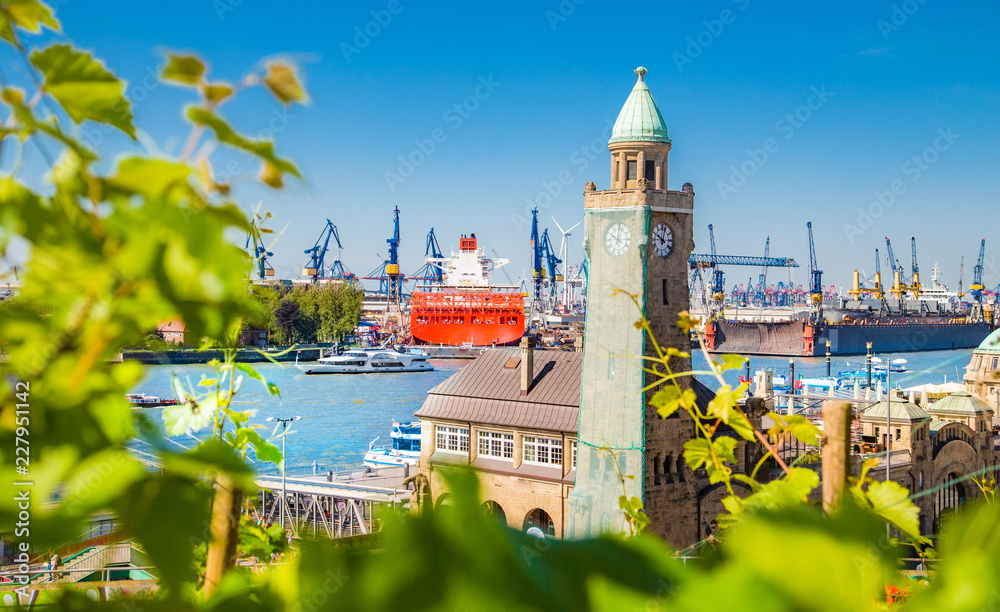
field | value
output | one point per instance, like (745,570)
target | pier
(336,504)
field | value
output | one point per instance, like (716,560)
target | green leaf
(724,448)
(247,369)
(666,401)
(27,15)
(210,455)
(217,92)
(731,362)
(803,429)
(892,502)
(283,81)
(189,415)
(183,69)
(264,450)
(697,452)
(264,149)
(83,87)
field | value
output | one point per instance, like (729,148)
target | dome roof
(992,342)
(961,403)
(640,119)
(902,410)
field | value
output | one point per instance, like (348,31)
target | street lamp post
(282,508)
(868,363)
(828,359)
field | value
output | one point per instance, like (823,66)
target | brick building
(519,432)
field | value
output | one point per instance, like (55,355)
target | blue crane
(387,274)
(260,255)
(976,288)
(762,281)
(915,268)
(431,271)
(551,261)
(537,249)
(815,274)
(718,280)
(316,268)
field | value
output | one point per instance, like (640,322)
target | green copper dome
(990,344)
(902,410)
(961,403)
(640,119)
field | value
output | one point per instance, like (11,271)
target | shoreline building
(982,375)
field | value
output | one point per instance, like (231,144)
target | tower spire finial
(641,72)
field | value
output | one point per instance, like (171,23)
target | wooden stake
(836,452)
(225,531)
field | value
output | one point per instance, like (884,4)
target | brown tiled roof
(557,378)
(486,392)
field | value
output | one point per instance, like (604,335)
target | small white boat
(368,360)
(405,449)
(822,382)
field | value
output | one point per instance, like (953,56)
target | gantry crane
(316,267)
(551,264)
(915,285)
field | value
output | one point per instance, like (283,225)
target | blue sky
(780,113)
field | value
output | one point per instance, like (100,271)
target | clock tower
(639,236)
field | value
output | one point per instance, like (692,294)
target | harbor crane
(716,286)
(260,256)
(976,288)
(762,281)
(718,280)
(316,268)
(915,286)
(537,272)
(897,272)
(389,277)
(874,290)
(815,279)
(551,263)
(431,272)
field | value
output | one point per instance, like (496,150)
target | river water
(343,413)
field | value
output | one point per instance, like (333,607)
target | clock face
(663,239)
(617,240)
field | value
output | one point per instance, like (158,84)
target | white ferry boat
(405,449)
(361,361)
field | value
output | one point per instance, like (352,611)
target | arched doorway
(949,499)
(496,511)
(541,519)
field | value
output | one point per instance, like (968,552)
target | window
(899,433)
(496,444)
(452,439)
(574,454)
(665,293)
(542,450)
(633,168)
(650,171)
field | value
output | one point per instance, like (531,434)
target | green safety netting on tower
(612,412)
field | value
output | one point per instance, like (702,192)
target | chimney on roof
(527,363)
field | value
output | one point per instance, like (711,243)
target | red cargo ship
(466,309)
